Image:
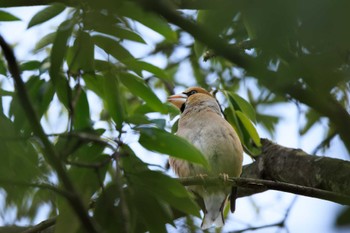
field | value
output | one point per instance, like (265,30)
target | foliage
(296,50)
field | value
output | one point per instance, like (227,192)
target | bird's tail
(214,204)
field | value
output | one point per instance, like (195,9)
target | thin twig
(50,187)
(41,226)
(269,184)
(277,224)
(84,136)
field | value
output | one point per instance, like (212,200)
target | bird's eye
(191,92)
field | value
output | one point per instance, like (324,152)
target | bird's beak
(178,100)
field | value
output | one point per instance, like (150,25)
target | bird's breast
(216,139)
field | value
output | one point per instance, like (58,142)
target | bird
(202,124)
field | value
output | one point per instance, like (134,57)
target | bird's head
(191,96)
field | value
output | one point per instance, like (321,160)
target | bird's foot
(202,176)
(225,177)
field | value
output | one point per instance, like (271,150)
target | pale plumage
(202,124)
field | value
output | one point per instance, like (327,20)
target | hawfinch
(202,124)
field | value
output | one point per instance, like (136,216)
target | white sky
(308,214)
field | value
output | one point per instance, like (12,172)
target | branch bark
(294,166)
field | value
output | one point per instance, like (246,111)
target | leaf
(268,122)
(17,154)
(244,106)
(141,65)
(45,41)
(58,53)
(106,212)
(3,69)
(138,87)
(149,211)
(130,9)
(82,54)
(5,16)
(30,65)
(113,48)
(82,118)
(115,30)
(167,189)
(46,14)
(95,83)
(166,143)
(67,221)
(59,49)
(113,99)
(249,127)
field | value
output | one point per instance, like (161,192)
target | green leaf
(81,56)
(149,211)
(138,87)
(58,53)
(113,48)
(249,127)
(17,154)
(30,65)
(166,143)
(3,69)
(59,49)
(154,22)
(113,99)
(5,16)
(67,221)
(116,31)
(242,105)
(46,14)
(82,118)
(167,189)
(45,41)
(141,65)
(106,213)
(95,83)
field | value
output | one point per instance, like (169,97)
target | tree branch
(325,104)
(41,227)
(50,154)
(290,170)
(264,185)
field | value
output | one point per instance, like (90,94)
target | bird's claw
(225,177)
(202,176)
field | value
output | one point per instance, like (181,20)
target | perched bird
(202,124)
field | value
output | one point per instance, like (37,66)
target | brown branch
(41,226)
(50,154)
(264,185)
(290,170)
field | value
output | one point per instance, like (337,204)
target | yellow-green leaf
(46,14)
(166,143)
(248,125)
(138,87)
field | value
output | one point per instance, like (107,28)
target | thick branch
(50,153)
(290,170)
(294,166)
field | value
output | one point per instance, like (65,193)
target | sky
(307,214)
